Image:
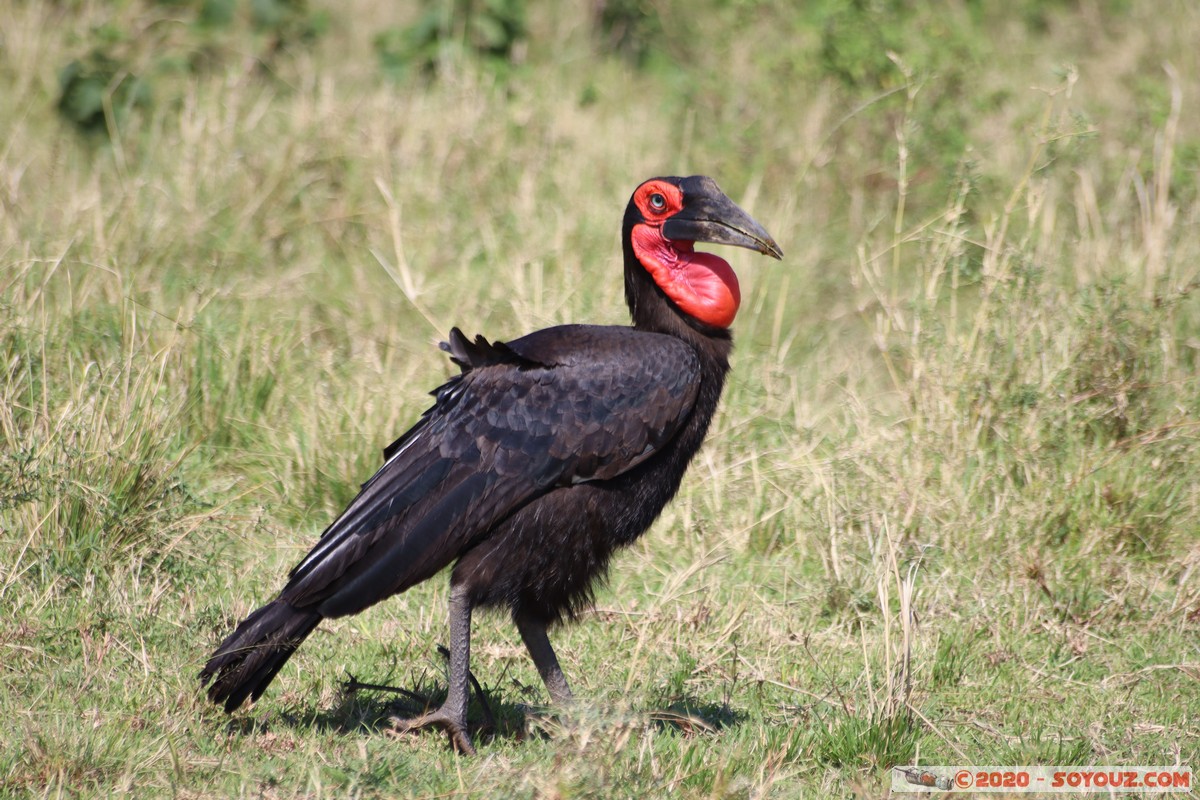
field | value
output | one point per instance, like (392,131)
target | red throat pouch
(703,285)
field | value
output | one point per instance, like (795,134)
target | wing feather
(559,407)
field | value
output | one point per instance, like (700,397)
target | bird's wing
(562,406)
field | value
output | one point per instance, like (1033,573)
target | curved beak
(709,216)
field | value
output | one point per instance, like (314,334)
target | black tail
(248,659)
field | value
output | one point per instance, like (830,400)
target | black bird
(538,461)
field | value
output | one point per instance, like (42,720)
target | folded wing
(562,406)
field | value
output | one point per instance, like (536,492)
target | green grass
(947,514)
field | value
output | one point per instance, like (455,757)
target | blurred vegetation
(450,31)
(162,43)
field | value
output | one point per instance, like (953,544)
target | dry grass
(948,511)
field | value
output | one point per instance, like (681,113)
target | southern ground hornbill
(541,458)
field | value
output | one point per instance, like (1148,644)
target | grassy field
(949,511)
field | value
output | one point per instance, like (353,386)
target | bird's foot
(456,729)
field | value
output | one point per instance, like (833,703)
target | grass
(947,513)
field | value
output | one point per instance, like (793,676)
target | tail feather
(246,662)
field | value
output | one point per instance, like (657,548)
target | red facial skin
(703,285)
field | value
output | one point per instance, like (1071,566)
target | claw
(460,738)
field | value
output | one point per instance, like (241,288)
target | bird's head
(664,220)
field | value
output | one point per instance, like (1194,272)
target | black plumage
(538,461)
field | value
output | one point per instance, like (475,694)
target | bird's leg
(489,721)
(452,716)
(533,632)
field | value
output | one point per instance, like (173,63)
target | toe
(460,739)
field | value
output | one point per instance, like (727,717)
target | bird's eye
(658,202)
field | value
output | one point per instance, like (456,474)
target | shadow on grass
(369,708)
(691,717)
(365,708)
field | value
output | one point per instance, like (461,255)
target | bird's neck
(653,312)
